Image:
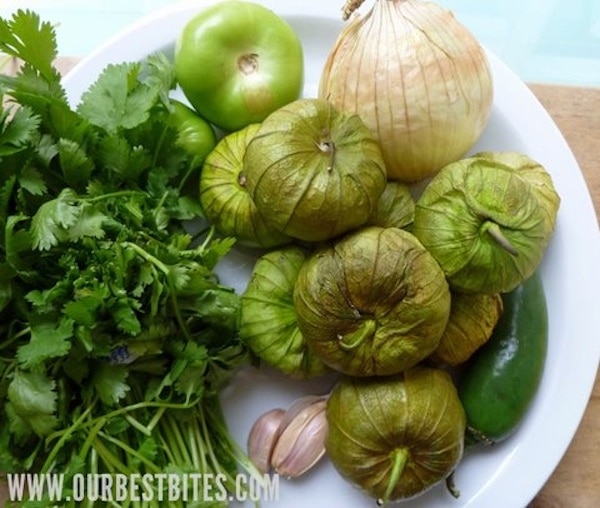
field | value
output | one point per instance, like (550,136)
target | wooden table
(576,481)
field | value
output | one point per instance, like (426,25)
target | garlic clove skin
(297,407)
(262,438)
(301,443)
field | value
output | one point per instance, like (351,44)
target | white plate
(511,474)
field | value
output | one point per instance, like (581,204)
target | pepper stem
(494,231)
(399,459)
(354,339)
(475,436)
(451,486)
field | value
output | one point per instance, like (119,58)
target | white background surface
(552,41)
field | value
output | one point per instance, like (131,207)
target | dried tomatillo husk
(473,317)
(224,196)
(268,316)
(487,220)
(314,173)
(396,436)
(373,303)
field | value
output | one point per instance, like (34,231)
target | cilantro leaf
(44,301)
(75,164)
(83,310)
(18,425)
(89,223)
(18,131)
(160,74)
(48,225)
(17,242)
(27,38)
(110,382)
(220,307)
(191,382)
(102,282)
(118,157)
(147,449)
(125,317)
(6,192)
(188,208)
(117,100)
(5,287)
(46,149)
(32,396)
(48,340)
(32,181)
(218,248)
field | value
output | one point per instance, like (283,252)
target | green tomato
(236,62)
(194,134)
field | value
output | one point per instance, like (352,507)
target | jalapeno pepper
(502,378)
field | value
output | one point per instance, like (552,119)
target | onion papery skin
(418,78)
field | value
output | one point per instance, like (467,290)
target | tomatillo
(236,62)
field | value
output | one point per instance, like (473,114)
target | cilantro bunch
(115,334)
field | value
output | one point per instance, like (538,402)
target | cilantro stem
(93,461)
(158,146)
(64,435)
(208,239)
(139,426)
(190,169)
(156,418)
(176,439)
(193,446)
(130,451)
(161,202)
(149,258)
(87,444)
(116,194)
(112,462)
(208,448)
(15,337)
(165,269)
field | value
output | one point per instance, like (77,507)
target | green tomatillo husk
(268,317)
(373,303)
(313,172)
(395,208)
(487,220)
(224,195)
(396,436)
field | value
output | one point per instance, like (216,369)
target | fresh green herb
(116,336)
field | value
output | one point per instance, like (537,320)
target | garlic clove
(262,438)
(301,443)
(297,407)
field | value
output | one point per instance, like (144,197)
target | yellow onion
(417,77)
